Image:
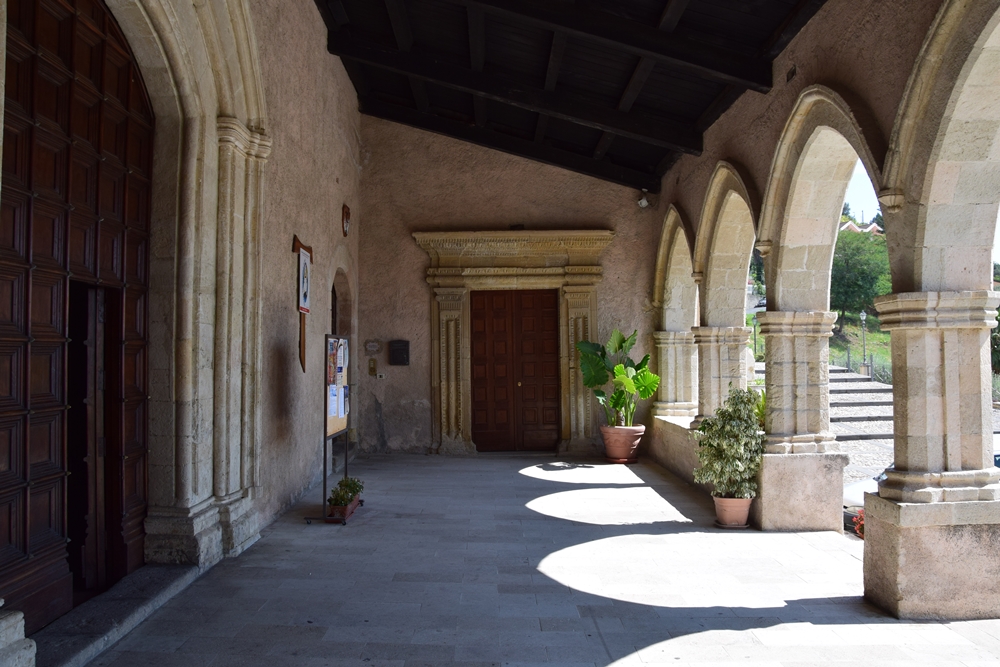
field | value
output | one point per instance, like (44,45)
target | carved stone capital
(796,324)
(938,310)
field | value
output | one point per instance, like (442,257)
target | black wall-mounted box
(399,353)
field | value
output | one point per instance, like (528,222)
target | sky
(861,195)
(864,203)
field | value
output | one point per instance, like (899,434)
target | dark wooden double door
(74,254)
(515,370)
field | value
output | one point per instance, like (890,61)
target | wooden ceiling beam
(404,41)
(477,56)
(510,144)
(668,21)
(651,130)
(556,52)
(673,50)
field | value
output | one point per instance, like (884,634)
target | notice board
(338,391)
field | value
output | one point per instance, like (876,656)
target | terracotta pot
(622,442)
(732,511)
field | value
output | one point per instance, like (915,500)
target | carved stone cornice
(515,249)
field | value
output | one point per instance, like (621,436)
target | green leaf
(618,399)
(586,347)
(595,374)
(642,364)
(615,343)
(626,346)
(646,383)
(624,382)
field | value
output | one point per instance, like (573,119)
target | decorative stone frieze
(677,366)
(797,383)
(721,363)
(465,261)
(942,396)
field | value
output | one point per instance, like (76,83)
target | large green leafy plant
(631,381)
(731,446)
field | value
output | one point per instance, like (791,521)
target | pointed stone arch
(723,247)
(941,197)
(812,166)
(200,64)
(676,294)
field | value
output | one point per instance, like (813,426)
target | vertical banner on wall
(338,404)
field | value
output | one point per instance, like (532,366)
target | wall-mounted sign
(305,259)
(373,347)
(399,353)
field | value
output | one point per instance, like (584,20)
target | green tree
(846,212)
(878,221)
(757,271)
(860,273)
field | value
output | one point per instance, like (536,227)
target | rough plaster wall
(863,49)
(419,181)
(313,170)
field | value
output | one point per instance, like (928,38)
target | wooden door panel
(536,322)
(492,390)
(515,346)
(78,144)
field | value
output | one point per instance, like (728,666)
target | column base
(803,443)
(800,492)
(932,560)
(184,537)
(581,447)
(674,409)
(240,524)
(15,650)
(455,447)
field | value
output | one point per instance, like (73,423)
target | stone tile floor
(519,561)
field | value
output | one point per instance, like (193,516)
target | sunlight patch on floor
(704,569)
(608,506)
(583,473)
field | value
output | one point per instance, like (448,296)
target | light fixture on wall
(643,201)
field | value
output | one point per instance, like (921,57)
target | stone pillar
(721,362)
(802,475)
(450,379)
(581,316)
(932,530)
(15,650)
(677,366)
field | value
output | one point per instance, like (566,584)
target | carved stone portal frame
(465,261)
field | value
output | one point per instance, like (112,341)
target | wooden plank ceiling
(616,89)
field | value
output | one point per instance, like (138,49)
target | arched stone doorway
(74,255)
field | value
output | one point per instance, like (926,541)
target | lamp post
(864,368)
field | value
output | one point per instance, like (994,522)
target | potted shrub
(631,382)
(344,499)
(730,449)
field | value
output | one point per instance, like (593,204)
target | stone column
(721,362)
(932,530)
(802,475)
(677,366)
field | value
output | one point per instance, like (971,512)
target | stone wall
(417,181)
(312,172)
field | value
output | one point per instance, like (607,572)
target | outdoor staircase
(861,417)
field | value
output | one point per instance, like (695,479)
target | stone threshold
(87,631)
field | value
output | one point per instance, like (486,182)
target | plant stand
(326,454)
(341,513)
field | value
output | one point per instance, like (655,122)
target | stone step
(872,388)
(848,437)
(849,377)
(861,418)
(859,404)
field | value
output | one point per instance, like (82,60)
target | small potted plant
(730,449)
(631,382)
(344,499)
